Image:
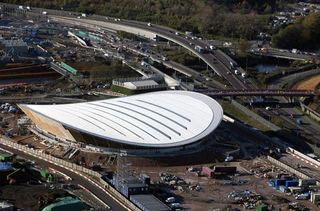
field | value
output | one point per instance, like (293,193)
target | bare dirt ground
(309,84)
(214,191)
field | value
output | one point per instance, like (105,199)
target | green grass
(231,110)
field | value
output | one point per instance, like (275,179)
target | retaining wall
(288,168)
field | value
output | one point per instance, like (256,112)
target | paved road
(76,178)
(216,59)
(285,54)
(304,167)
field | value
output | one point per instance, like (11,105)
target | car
(170,200)
(175,205)
(268,108)
(212,47)
(149,24)
(229,158)
(229,73)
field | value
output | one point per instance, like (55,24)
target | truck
(175,205)
(268,108)
(199,49)
(299,121)
(212,47)
(189,33)
(229,158)
(164,58)
(232,65)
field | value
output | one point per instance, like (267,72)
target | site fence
(312,113)
(93,174)
(287,167)
(303,156)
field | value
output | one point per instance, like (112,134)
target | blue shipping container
(292,183)
(5,166)
(279,182)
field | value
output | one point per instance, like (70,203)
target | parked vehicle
(170,200)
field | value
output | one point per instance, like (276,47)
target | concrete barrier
(304,157)
(312,113)
(287,167)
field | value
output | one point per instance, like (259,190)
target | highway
(285,54)
(301,165)
(114,205)
(257,92)
(215,59)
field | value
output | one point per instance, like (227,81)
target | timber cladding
(47,124)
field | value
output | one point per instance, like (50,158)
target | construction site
(46,62)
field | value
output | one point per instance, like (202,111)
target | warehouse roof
(149,202)
(158,119)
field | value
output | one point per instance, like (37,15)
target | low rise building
(137,85)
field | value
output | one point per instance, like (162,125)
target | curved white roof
(158,119)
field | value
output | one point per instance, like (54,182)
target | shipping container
(225,169)
(307,182)
(279,182)
(5,157)
(292,183)
(5,166)
(207,171)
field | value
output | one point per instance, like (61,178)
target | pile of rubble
(247,198)
(177,182)
(296,206)
(262,169)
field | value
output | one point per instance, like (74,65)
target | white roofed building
(157,120)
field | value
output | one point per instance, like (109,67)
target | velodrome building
(152,124)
